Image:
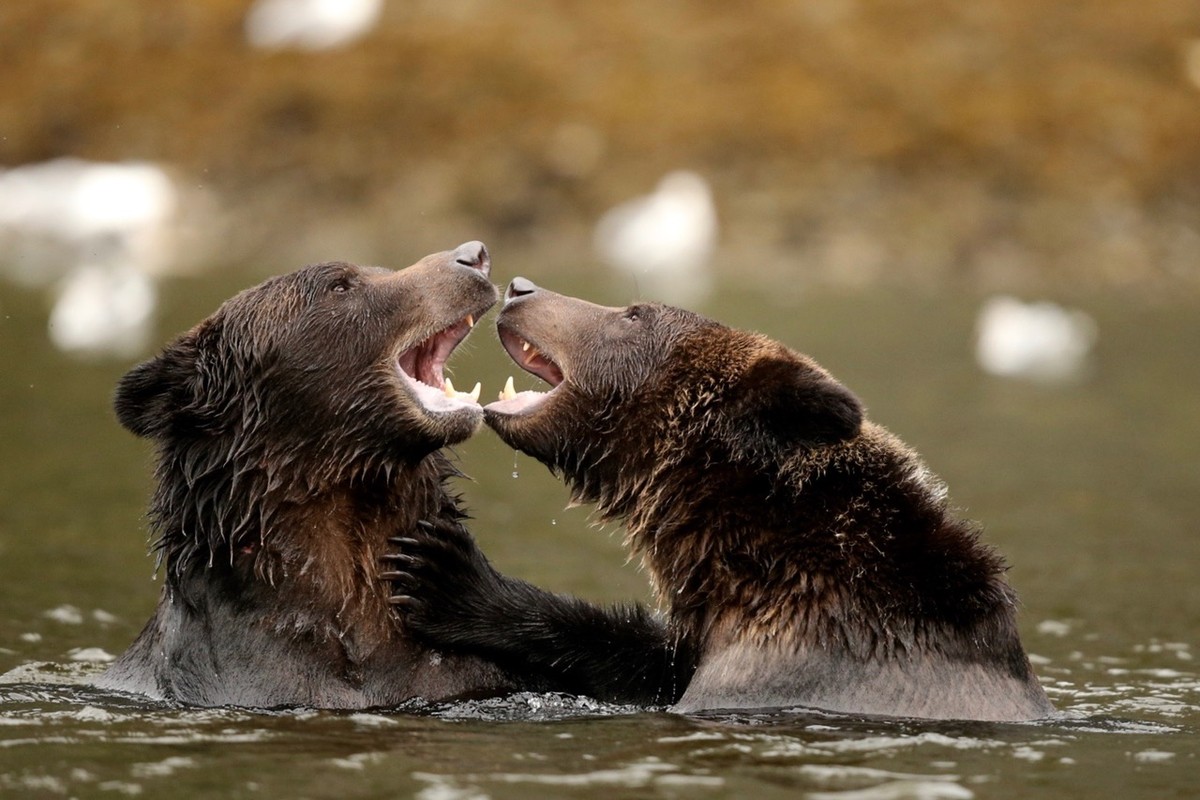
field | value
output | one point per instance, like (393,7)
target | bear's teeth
(524,346)
(509,391)
(449,391)
(470,320)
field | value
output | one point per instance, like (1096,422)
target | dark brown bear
(298,428)
(802,555)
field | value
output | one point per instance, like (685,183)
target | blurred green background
(1008,143)
(878,169)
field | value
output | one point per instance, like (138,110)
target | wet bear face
(638,389)
(334,367)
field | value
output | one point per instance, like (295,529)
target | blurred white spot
(698,736)
(103,311)
(99,233)
(664,240)
(1152,756)
(92,655)
(66,614)
(887,783)
(901,790)
(159,769)
(310,24)
(103,617)
(446,791)
(357,761)
(1052,627)
(31,637)
(372,720)
(1027,753)
(40,784)
(1037,341)
(77,199)
(92,714)
(120,787)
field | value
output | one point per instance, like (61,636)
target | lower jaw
(519,404)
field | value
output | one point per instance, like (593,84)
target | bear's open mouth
(422,368)
(533,360)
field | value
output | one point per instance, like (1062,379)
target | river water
(1090,489)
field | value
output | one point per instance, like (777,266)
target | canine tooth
(509,391)
(448,388)
(475,392)
(524,346)
(470,320)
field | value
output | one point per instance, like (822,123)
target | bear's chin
(519,404)
(442,419)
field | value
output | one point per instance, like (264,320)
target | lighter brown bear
(801,555)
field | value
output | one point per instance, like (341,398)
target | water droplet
(553,522)
(516,474)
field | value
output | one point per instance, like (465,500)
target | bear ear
(150,394)
(792,402)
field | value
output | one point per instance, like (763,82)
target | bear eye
(633,313)
(339,285)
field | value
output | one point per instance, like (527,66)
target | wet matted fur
(292,441)
(801,555)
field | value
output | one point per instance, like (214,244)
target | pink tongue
(424,362)
(544,368)
(427,373)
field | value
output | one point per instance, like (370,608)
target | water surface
(1089,489)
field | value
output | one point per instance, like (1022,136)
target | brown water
(1091,491)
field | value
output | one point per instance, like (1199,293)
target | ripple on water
(641,773)
(868,783)
(55,705)
(164,768)
(524,707)
(901,790)
(825,755)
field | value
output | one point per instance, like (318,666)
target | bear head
(338,360)
(639,389)
(326,378)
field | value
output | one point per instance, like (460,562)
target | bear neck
(848,547)
(290,523)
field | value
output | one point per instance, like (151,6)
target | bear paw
(441,584)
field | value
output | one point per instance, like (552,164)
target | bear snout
(520,287)
(473,254)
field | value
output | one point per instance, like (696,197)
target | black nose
(519,288)
(473,255)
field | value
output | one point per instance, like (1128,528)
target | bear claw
(394,576)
